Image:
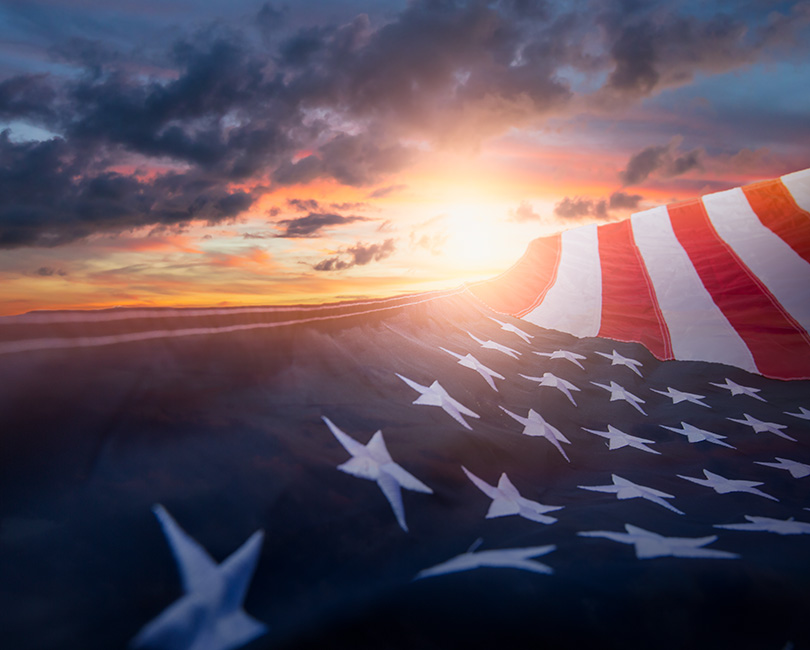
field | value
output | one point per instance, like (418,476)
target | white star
(723,485)
(469,361)
(619,393)
(508,327)
(803,413)
(618,439)
(768,525)
(209,615)
(507,558)
(624,489)
(573,357)
(796,469)
(678,396)
(759,426)
(650,545)
(506,500)
(535,425)
(435,395)
(617,359)
(693,434)
(736,389)
(372,461)
(492,345)
(562,385)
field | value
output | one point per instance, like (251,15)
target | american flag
(575,454)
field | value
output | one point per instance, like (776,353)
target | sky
(227,152)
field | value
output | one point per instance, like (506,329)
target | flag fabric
(441,470)
(736,262)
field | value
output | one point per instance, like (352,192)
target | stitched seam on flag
(542,295)
(111,339)
(754,278)
(662,324)
(90,316)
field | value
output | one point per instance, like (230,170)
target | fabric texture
(430,471)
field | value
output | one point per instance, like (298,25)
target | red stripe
(777,210)
(523,287)
(779,346)
(630,311)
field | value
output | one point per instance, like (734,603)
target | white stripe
(781,269)
(574,302)
(798,184)
(698,329)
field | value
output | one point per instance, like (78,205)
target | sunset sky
(226,152)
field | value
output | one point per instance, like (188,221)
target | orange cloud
(256,259)
(147,244)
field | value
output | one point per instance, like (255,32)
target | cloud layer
(579,207)
(358,255)
(198,127)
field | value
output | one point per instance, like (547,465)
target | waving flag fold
(724,278)
(189,478)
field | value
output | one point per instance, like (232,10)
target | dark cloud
(653,46)
(185,119)
(349,159)
(382,192)
(527,8)
(312,205)
(313,223)
(663,159)
(363,254)
(351,205)
(317,217)
(48,271)
(304,205)
(358,255)
(231,204)
(92,55)
(455,72)
(623,201)
(238,105)
(28,97)
(523,212)
(331,264)
(51,196)
(784,30)
(579,207)
(257,235)
(643,164)
(574,208)
(301,172)
(302,48)
(269,18)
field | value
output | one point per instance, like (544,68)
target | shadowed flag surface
(672,448)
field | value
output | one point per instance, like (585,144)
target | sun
(477,239)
